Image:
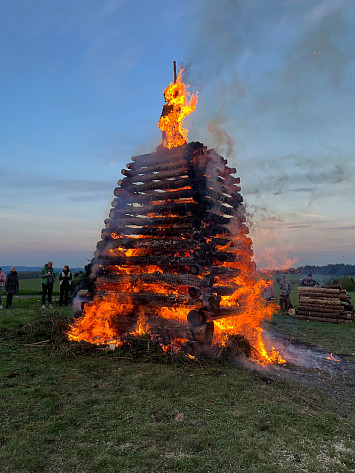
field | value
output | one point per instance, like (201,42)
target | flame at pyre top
(175,260)
(180,103)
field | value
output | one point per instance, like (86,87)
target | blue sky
(81,85)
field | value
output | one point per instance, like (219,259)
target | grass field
(74,408)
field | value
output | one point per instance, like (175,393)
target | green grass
(72,408)
(336,339)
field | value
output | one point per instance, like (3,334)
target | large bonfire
(107,318)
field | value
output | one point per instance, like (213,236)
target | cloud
(346,227)
(78,189)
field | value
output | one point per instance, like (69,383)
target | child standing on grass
(11,287)
(2,280)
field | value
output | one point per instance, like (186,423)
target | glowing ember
(331,358)
(180,103)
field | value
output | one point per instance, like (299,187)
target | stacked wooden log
(324,304)
(174,236)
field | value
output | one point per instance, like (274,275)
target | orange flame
(97,325)
(180,103)
(332,358)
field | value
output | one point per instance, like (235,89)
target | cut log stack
(324,304)
(174,236)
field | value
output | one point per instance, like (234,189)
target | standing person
(11,287)
(2,280)
(269,292)
(308,281)
(64,284)
(285,291)
(48,277)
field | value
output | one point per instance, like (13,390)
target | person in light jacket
(64,284)
(48,276)
(2,280)
(11,287)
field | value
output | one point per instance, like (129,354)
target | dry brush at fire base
(175,260)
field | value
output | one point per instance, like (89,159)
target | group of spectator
(285,290)
(10,284)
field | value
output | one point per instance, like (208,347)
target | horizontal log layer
(171,213)
(164,184)
(145,175)
(167,245)
(119,284)
(225,171)
(216,190)
(322,319)
(155,278)
(320,290)
(229,181)
(336,305)
(343,315)
(184,230)
(165,208)
(208,158)
(225,312)
(320,295)
(149,196)
(321,308)
(151,298)
(164,260)
(171,198)
(220,197)
(194,208)
(162,154)
(194,220)
(167,329)
(133,169)
(320,300)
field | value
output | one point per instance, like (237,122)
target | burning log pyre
(175,260)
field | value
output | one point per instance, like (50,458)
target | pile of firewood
(324,304)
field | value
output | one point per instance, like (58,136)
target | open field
(73,408)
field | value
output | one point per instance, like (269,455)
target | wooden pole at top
(175,76)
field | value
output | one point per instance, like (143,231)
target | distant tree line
(330,269)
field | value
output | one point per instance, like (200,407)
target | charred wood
(203,334)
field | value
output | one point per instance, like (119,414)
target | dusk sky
(82,82)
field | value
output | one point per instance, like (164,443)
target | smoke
(321,51)
(221,139)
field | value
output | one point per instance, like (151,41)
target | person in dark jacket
(308,281)
(11,287)
(48,276)
(2,281)
(64,284)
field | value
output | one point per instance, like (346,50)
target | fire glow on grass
(98,324)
